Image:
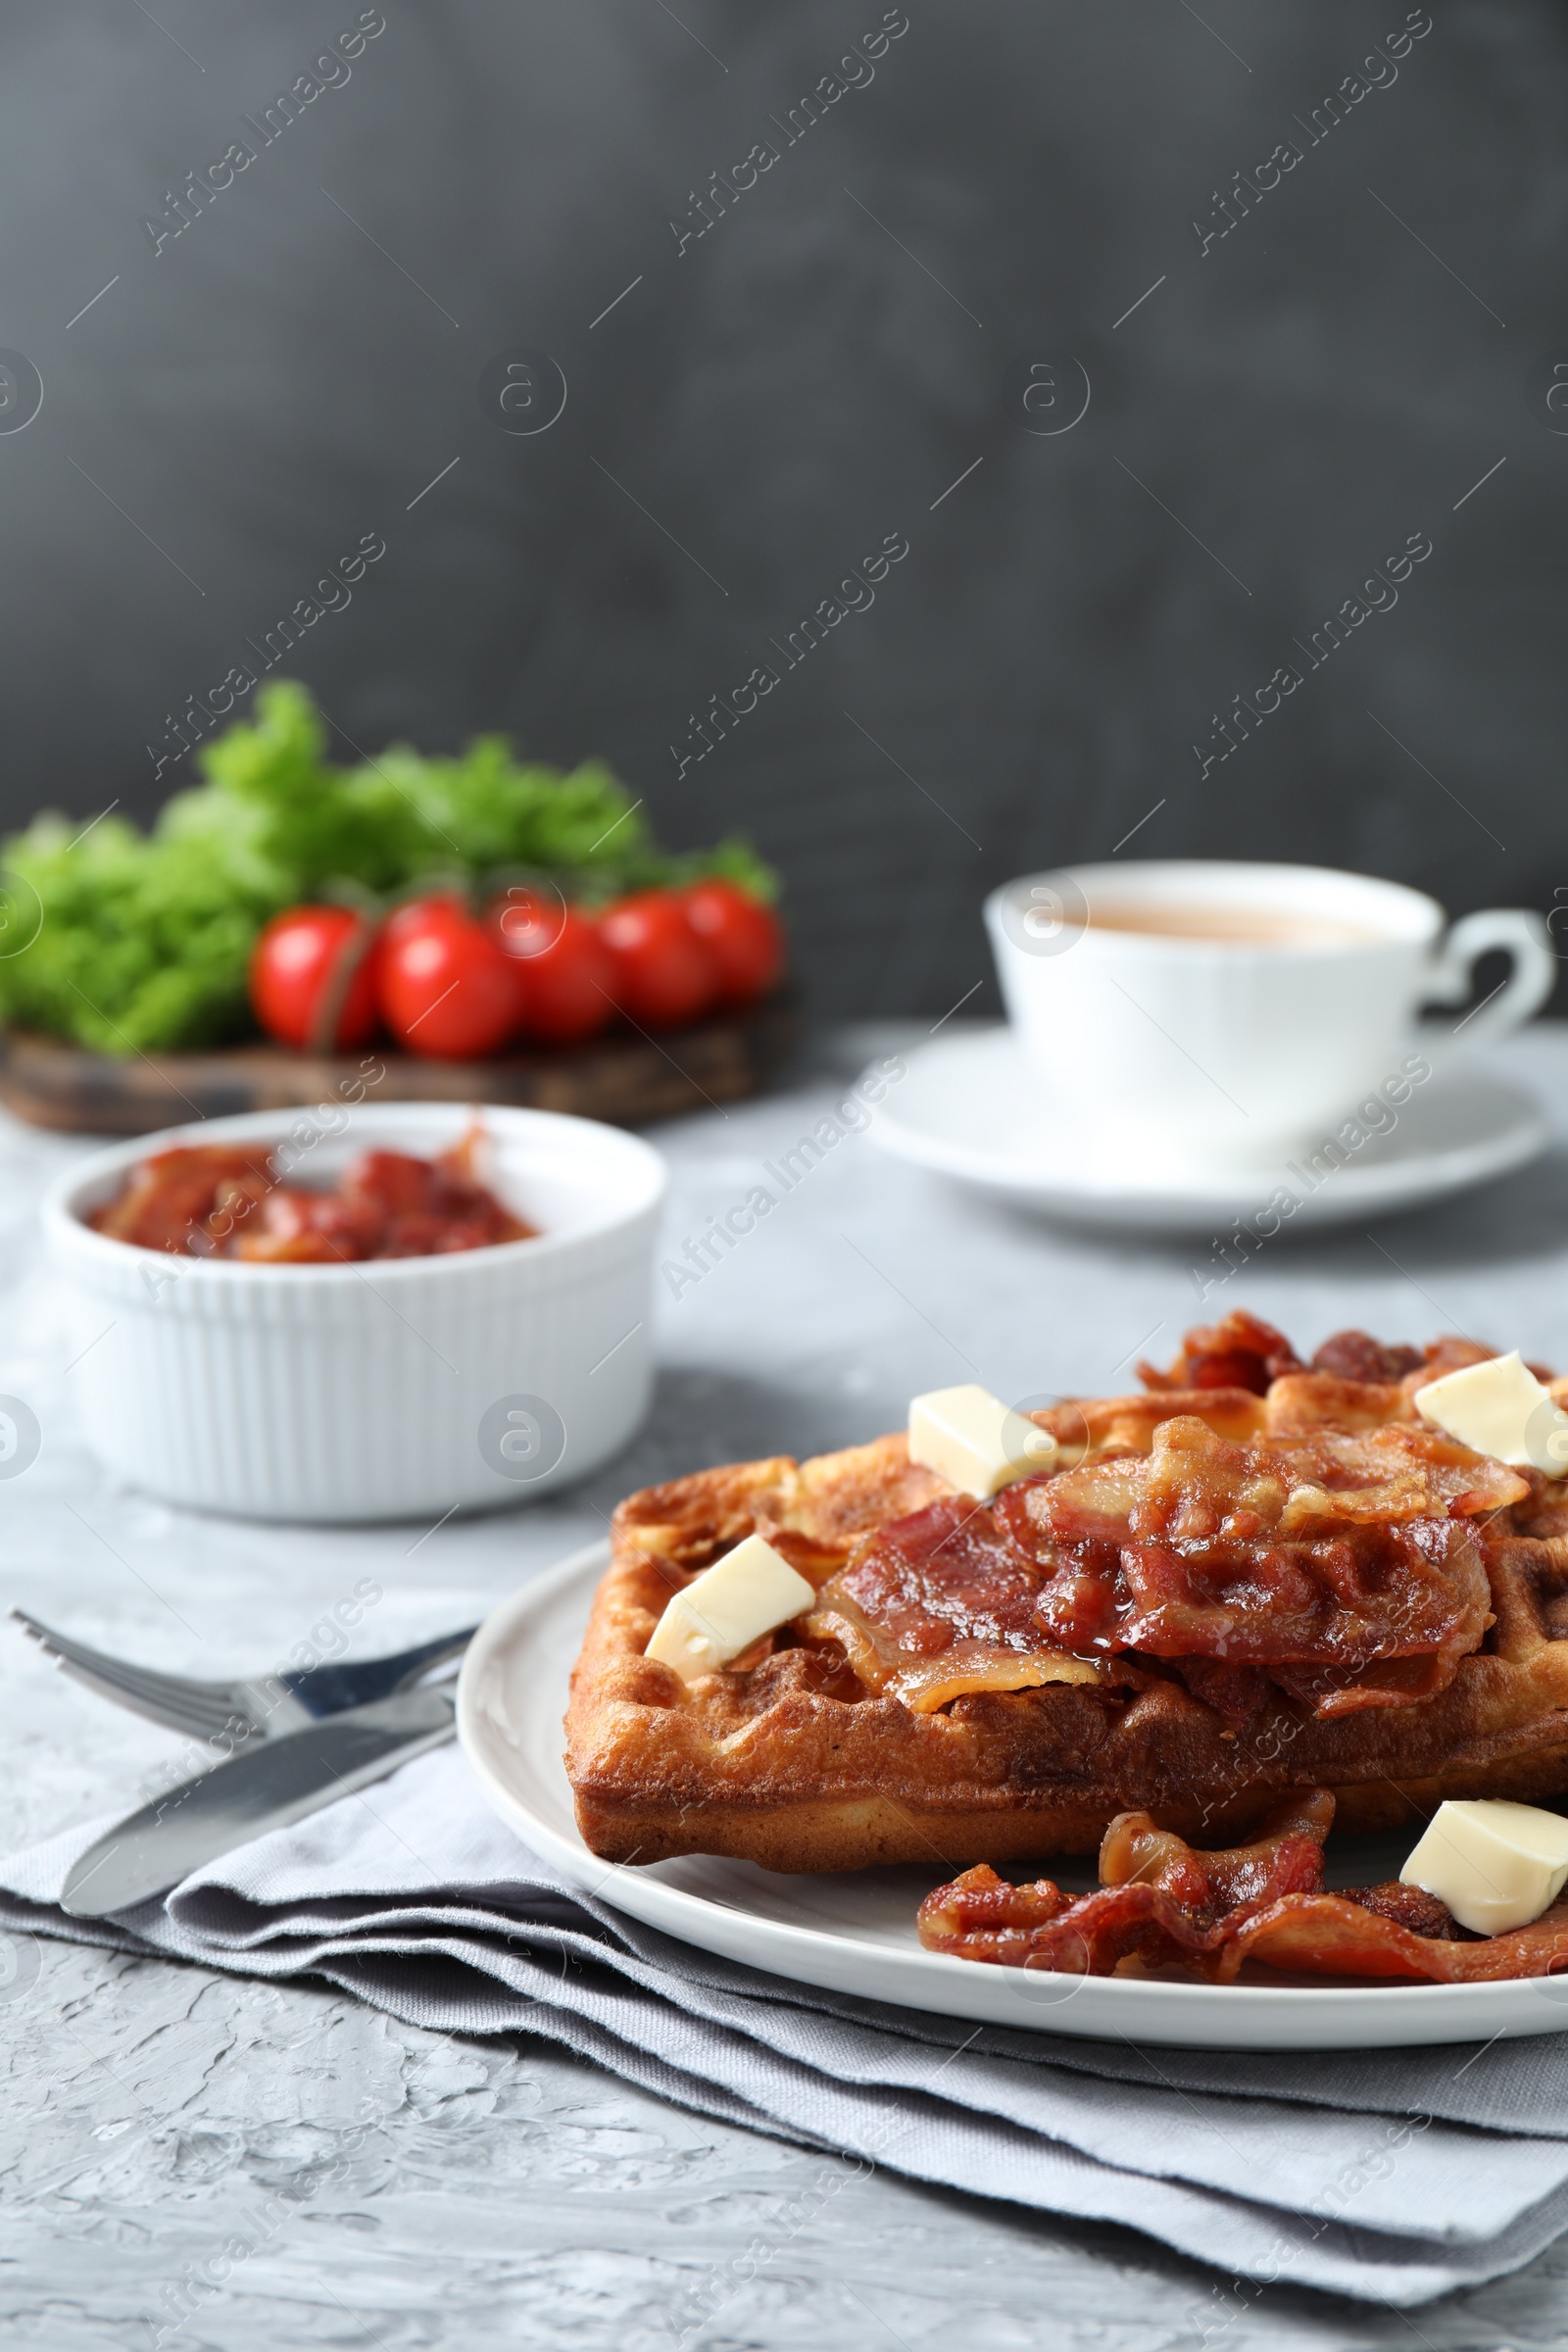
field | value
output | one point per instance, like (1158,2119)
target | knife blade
(265,1787)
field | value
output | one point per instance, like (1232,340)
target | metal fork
(258,1707)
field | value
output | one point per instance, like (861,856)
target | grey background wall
(845,353)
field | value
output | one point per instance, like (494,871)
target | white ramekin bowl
(389,1390)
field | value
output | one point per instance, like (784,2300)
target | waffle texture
(793,1761)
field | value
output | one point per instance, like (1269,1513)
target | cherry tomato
(570,974)
(744,937)
(446,989)
(312,979)
(663,973)
(415,915)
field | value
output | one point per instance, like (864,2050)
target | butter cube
(1495,1864)
(975,1442)
(1499,1407)
(744,1595)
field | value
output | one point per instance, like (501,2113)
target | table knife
(265,1787)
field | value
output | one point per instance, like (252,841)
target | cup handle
(1449,979)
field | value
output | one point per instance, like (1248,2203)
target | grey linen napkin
(1391,2175)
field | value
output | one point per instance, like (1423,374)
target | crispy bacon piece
(1354,1356)
(1161,1900)
(387,1205)
(1329,1691)
(1410,1908)
(166,1202)
(1284,1858)
(981,1917)
(1237,1693)
(940,1603)
(942,1574)
(1294,1529)
(1337,1935)
(1290,1529)
(1323,1552)
(1239,1353)
(1170,1906)
(1299,1403)
(229,1201)
(1450,1354)
(1244,1352)
(1093,1426)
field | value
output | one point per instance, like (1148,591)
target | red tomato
(744,937)
(312,971)
(570,974)
(417,914)
(663,973)
(446,989)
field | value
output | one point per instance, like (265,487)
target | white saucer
(970,1107)
(854,1931)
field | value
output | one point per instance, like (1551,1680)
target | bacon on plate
(1329,1552)
(1165,1906)
(939,1605)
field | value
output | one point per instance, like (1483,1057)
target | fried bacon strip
(1339,1936)
(1250,1527)
(1354,1356)
(1239,1353)
(939,1605)
(1171,1906)
(166,1202)
(1332,1553)
(1286,1858)
(230,1200)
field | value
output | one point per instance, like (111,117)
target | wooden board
(622,1077)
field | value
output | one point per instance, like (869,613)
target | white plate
(853,1932)
(970,1107)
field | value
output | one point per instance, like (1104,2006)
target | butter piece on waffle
(1499,1407)
(975,1442)
(751,1591)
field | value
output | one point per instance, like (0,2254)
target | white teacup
(1225,1012)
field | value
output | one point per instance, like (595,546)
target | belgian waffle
(790,1760)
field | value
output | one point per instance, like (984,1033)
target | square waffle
(792,1758)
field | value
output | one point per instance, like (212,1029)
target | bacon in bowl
(231,1200)
(464,1365)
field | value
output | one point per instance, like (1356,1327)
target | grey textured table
(452,2192)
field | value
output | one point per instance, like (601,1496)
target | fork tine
(205,1707)
(194,1723)
(189,1708)
(183,1684)
(176,1698)
(68,1645)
